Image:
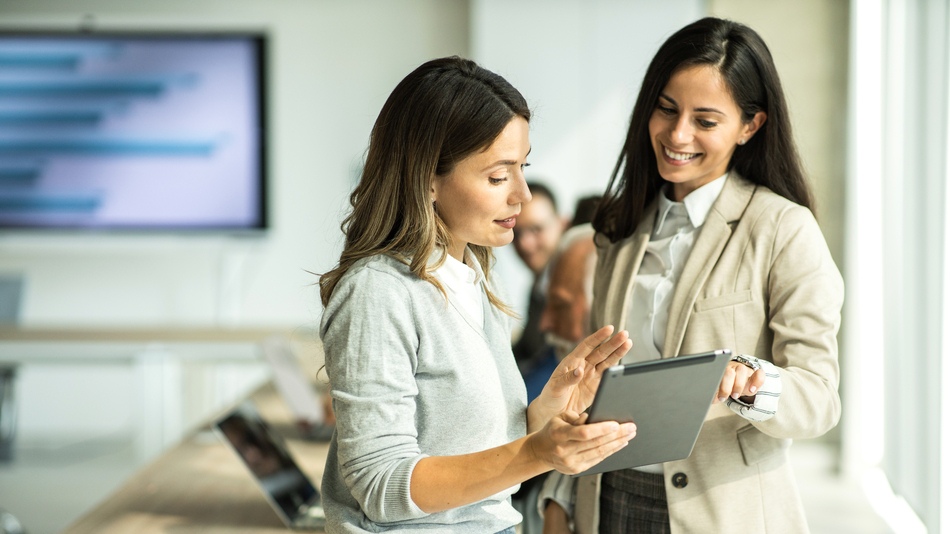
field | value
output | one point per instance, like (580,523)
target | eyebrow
(701,110)
(507,161)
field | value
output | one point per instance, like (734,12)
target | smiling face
(480,198)
(695,127)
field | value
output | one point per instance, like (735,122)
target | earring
(741,142)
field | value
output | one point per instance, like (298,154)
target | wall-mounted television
(135,131)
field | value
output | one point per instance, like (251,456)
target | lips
(508,223)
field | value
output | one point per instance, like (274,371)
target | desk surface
(201,486)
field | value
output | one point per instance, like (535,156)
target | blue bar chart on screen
(132,131)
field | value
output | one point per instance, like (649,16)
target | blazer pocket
(729,299)
(757,447)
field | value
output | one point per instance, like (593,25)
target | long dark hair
(439,114)
(769,158)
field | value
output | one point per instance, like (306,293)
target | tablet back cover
(667,399)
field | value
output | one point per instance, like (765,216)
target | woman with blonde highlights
(433,429)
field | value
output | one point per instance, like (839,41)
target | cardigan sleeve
(806,294)
(371,342)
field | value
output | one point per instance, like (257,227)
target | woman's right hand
(574,382)
(570,446)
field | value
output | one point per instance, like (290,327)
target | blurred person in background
(537,232)
(570,290)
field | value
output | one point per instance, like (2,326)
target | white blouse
(463,281)
(677,225)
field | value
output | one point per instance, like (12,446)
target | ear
(434,189)
(752,126)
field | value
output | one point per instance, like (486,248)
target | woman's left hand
(575,380)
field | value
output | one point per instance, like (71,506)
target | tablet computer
(667,399)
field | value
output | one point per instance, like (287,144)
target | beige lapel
(621,280)
(710,242)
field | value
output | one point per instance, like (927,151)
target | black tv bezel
(261,40)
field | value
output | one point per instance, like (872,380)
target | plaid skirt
(633,502)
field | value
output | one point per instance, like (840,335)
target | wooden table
(200,485)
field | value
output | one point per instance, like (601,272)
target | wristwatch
(748,361)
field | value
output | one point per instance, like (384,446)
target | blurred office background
(123,342)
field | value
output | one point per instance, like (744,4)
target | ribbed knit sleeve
(370,342)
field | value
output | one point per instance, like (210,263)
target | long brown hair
(770,158)
(439,114)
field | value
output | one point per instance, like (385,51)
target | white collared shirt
(674,232)
(463,281)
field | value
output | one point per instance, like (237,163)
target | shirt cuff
(765,403)
(559,488)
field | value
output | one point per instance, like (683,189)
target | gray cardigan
(411,377)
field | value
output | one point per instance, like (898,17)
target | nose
(520,193)
(682,132)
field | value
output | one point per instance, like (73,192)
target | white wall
(580,65)
(332,64)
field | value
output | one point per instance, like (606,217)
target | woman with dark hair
(433,431)
(706,240)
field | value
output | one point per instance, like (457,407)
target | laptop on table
(288,490)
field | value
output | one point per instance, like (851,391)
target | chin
(504,240)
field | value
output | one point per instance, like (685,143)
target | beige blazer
(761,281)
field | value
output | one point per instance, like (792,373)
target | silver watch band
(748,361)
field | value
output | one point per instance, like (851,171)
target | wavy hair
(442,112)
(770,158)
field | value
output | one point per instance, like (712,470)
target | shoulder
(766,198)
(371,284)
(376,273)
(376,294)
(791,231)
(769,209)
(380,265)
(743,201)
